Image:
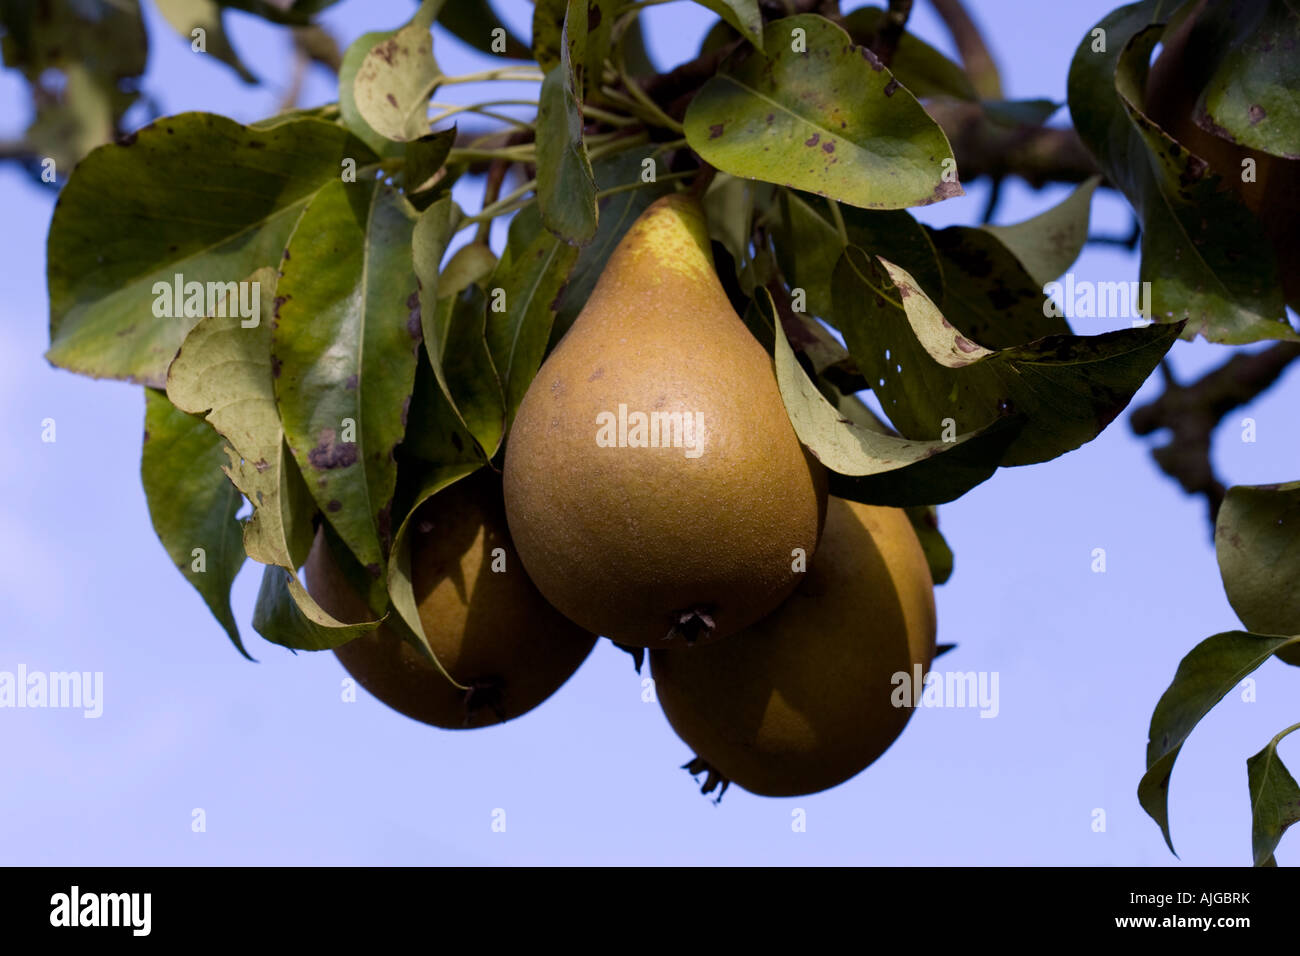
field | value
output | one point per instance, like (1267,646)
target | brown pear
(654,485)
(809,696)
(483,618)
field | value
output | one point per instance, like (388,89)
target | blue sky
(286,773)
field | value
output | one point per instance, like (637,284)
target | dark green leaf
(1274,800)
(523,294)
(1257,540)
(925,521)
(1209,671)
(932,379)
(1203,252)
(475,23)
(454,324)
(344,346)
(987,293)
(826,117)
(1020,112)
(425,157)
(192,504)
(566,186)
(116,231)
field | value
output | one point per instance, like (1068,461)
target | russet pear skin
(805,699)
(659,546)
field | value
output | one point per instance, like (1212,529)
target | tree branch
(1191,413)
(975,56)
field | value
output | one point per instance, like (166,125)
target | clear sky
(288,774)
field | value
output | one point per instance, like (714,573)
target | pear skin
(484,619)
(806,698)
(654,485)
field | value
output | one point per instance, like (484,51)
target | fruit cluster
(698,528)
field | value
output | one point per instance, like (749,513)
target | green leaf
(1015,113)
(1050,242)
(566,185)
(1203,252)
(286,615)
(849,449)
(192,504)
(346,331)
(475,23)
(1250,92)
(809,246)
(729,212)
(425,158)
(1257,541)
(397,76)
(585,43)
(223,372)
(522,297)
(471,264)
(187,15)
(917,65)
(400,586)
(1274,800)
(117,232)
(930,378)
(827,118)
(435,433)
(925,522)
(1209,671)
(743,15)
(454,325)
(988,294)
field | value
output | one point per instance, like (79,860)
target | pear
(484,619)
(807,698)
(654,485)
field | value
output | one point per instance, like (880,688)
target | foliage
(288,295)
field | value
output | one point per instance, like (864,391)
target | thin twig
(975,56)
(1191,413)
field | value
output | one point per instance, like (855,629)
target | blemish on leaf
(828,146)
(329,453)
(1256,114)
(871,58)
(286,254)
(351,383)
(334,505)
(890,87)
(455,440)
(392,99)
(275,366)
(126,140)
(812,140)
(413,316)
(715,130)
(261,465)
